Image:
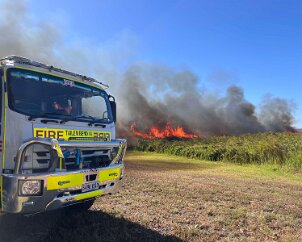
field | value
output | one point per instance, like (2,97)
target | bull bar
(53,199)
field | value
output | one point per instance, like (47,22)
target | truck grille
(90,158)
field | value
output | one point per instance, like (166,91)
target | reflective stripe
(110,174)
(64,181)
(89,195)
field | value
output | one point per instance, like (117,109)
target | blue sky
(254,44)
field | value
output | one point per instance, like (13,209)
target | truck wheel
(84,206)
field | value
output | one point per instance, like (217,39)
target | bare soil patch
(175,199)
(193,202)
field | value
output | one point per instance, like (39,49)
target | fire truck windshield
(41,95)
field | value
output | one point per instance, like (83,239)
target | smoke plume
(154,95)
(147,94)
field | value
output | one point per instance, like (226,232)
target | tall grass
(273,148)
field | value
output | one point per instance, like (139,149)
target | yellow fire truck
(58,145)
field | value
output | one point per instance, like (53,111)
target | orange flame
(168,131)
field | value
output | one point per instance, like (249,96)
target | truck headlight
(30,187)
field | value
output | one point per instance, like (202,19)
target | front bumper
(60,189)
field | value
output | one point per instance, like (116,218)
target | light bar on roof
(10,60)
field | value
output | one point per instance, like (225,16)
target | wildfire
(167,132)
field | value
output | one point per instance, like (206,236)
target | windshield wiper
(31,117)
(45,121)
(93,120)
(85,116)
(75,118)
(46,114)
(99,122)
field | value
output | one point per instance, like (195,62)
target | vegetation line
(284,149)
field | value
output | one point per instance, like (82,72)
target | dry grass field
(168,198)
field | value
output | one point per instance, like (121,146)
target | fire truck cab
(58,144)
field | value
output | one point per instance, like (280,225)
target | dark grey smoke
(148,94)
(155,95)
(277,114)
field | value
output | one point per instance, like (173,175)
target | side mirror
(113,107)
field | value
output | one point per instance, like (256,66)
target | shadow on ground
(77,226)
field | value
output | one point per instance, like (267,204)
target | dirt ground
(174,199)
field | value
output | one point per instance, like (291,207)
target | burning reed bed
(283,149)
